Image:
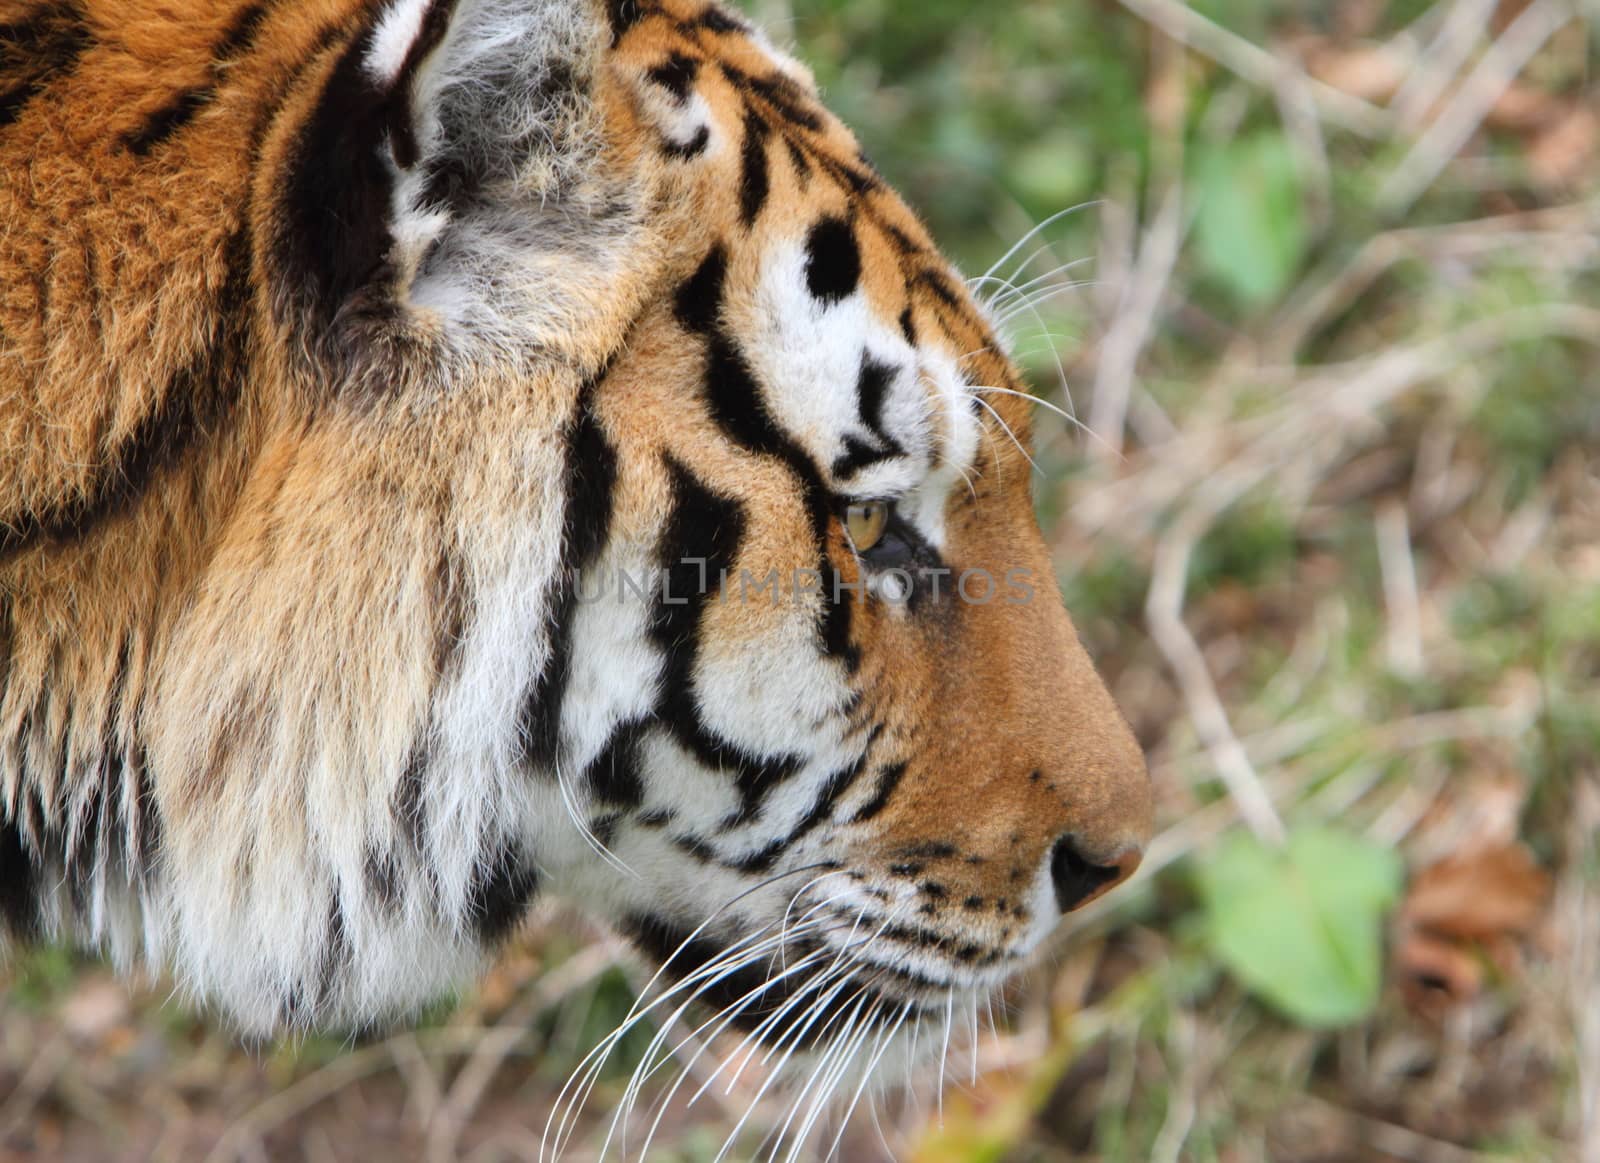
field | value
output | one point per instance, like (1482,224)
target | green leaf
(1302,925)
(1250,228)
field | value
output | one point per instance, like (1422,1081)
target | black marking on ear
(591,477)
(36,51)
(20,881)
(888,781)
(699,300)
(504,884)
(676,75)
(197,400)
(402,120)
(694,147)
(755,179)
(334,233)
(833,260)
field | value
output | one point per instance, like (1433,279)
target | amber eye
(865,523)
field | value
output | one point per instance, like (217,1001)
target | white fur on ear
(396,31)
(491,155)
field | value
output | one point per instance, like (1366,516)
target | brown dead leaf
(1478,896)
(1436,974)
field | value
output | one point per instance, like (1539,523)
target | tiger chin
(459,451)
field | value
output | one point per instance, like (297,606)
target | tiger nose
(1079,880)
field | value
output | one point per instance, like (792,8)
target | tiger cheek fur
(429,432)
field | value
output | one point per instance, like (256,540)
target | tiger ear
(441,110)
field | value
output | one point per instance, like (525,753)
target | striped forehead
(861,336)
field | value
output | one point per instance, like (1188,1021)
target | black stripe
(381,873)
(241,34)
(699,546)
(766,858)
(504,884)
(623,15)
(784,95)
(802,165)
(755,179)
(196,401)
(714,19)
(833,259)
(408,804)
(908,326)
(144,817)
(402,123)
(888,781)
(872,387)
(738,405)
(335,949)
(591,478)
(36,51)
(694,147)
(613,776)
(333,232)
(20,877)
(698,302)
(676,75)
(160,125)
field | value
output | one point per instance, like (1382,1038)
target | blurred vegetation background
(1321,322)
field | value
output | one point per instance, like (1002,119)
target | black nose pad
(1078,880)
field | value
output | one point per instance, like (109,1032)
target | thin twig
(1255,64)
(1442,60)
(1134,322)
(1489,79)
(472,1081)
(1399,568)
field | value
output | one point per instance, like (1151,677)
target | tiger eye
(866,523)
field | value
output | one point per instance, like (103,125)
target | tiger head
(596,484)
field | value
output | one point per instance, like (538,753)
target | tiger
(456,454)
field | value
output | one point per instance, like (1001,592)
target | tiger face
(535,453)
